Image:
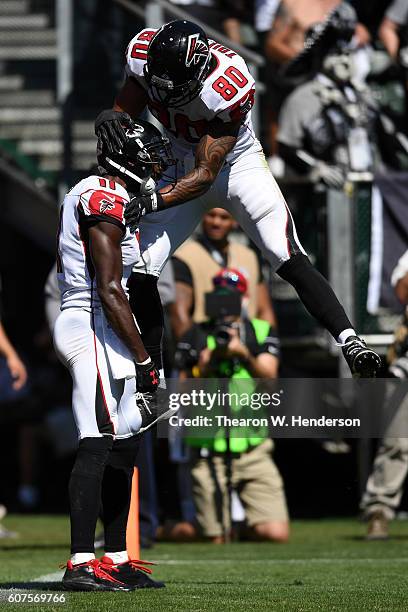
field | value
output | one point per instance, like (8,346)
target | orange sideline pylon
(132,531)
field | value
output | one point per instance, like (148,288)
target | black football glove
(147,378)
(108,127)
(141,205)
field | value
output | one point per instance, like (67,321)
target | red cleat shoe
(91,576)
(133,573)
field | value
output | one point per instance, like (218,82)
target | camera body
(221,333)
(221,309)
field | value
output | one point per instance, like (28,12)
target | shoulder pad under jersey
(98,196)
(136,54)
(230,88)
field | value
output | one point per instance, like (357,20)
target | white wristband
(148,360)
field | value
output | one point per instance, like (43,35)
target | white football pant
(101,404)
(248,191)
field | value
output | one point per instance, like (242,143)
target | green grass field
(326,566)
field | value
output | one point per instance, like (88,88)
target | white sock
(346,334)
(162,384)
(77,558)
(118,557)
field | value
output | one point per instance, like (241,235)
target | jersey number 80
(225,87)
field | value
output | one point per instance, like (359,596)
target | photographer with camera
(196,262)
(229,345)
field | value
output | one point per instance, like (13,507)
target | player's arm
(265,364)
(388,34)
(180,313)
(131,99)
(14,363)
(265,309)
(210,156)
(104,242)
(181,309)
(278,47)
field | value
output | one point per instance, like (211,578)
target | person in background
(392,31)
(384,487)
(283,42)
(294,22)
(265,13)
(330,124)
(197,261)
(234,347)
(15,376)
(14,364)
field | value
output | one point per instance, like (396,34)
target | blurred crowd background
(334,127)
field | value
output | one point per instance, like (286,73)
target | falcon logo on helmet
(196,49)
(134,132)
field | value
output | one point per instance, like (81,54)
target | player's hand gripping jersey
(90,201)
(227,96)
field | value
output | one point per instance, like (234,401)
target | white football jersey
(227,95)
(89,201)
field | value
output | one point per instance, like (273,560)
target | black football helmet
(143,158)
(178,61)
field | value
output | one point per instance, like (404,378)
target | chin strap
(147,186)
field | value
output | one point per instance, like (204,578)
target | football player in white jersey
(202,94)
(97,338)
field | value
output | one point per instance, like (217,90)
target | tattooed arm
(209,159)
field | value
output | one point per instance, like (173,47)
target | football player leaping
(202,94)
(97,338)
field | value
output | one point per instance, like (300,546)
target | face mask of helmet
(145,157)
(178,61)
(169,94)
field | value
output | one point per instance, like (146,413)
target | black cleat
(133,572)
(153,409)
(91,576)
(362,361)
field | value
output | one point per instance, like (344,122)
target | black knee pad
(146,305)
(123,453)
(92,456)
